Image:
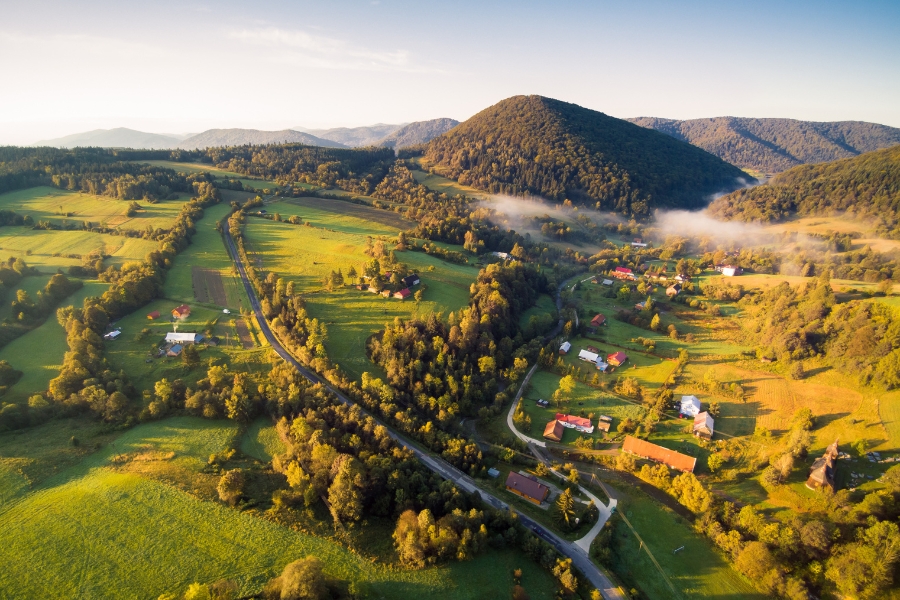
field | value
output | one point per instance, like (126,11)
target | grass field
(48,250)
(697,571)
(442,185)
(186,167)
(57,206)
(307,254)
(97,530)
(261,441)
(343,216)
(39,353)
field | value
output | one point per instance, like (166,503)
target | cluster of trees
(792,323)
(539,146)
(865,187)
(28,312)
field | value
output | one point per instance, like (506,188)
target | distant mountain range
(120,137)
(775,145)
(240,137)
(557,150)
(381,134)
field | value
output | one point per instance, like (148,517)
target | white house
(590,357)
(607,282)
(690,406)
(730,271)
(112,335)
(183,338)
(565,347)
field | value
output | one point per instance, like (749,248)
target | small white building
(565,347)
(112,334)
(730,271)
(183,338)
(590,357)
(690,406)
(607,282)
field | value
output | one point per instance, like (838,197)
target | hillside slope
(354,137)
(120,137)
(537,145)
(866,186)
(775,145)
(214,138)
(419,132)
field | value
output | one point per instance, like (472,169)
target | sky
(186,66)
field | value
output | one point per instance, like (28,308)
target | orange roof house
(530,489)
(153,315)
(617,359)
(181,312)
(554,431)
(598,321)
(670,458)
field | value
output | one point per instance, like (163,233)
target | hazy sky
(168,66)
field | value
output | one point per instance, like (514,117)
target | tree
(715,462)
(345,492)
(418,296)
(301,580)
(163,391)
(190,356)
(655,323)
(565,507)
(567,387)
(231,486)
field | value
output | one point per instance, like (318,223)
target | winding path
(598,578)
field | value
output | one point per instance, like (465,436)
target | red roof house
(572,422)
(181,312)
(531,490)
(403,294)
(670,458)
(153,315)
(617,359)
(554,431)
(598,321)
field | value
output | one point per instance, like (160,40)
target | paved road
(598,578)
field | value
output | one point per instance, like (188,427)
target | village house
(373,289)
(174,350)
(112,334)
(598,320)
(181,312)
(554,431)
(623,273)
(581,424)
(402,294)
(411,280)
(673,290)
(690,406)
(604,423)
(586,356)
(682,278)
(670,458)
(607,282)
(617,359)
(386,293)
(173,337)
(154,315)
(564,348)
(703,426)
(821,474)
(731,271)
(602,366)
(527,488)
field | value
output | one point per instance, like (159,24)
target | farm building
(531,490)
(492,472)
(604,426)
(607,282)
(112,335)
(565,347)
(411,280)
(682,278)
(673,290)
(402,294)
(503,255)
(690,406)
(617,359)
(554,431)
(598,320)
(581,424)
(704,425)
(729,270)
(183,338)
(175,350)
(641,305)
(623,273)
(154,315)
(586,356)
(602,366)
(181,312)
(638,245)
(373,289)
(821,474)
(386,293)
(543,403)
(670,458)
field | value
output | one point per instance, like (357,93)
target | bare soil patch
(244,334)
(208,286)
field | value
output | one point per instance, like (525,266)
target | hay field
(45,203)
(443,185)
(96,528)
(307,254)
(343,215)
(188,167)
(50,250)
(39,353)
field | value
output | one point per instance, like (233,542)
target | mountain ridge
(241,137)
(118,137)
(774,145)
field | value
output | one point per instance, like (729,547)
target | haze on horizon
(175,67)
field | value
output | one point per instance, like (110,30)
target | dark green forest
(866,187)
(776,145)
(531,145)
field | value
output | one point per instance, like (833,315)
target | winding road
(579,555)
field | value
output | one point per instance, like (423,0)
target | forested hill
(419,132)
(536,145)
(865,186)
(775,145)
(120,137)
(220,138)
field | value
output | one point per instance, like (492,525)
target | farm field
(442,185)
(58,206)
(307,254)
(39,353)
(51,250)
(136,531)
(697,571)
(186,167)
(341,215)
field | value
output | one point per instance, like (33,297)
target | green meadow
(39,353)
(306,254)
(189,168)
(99,528)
